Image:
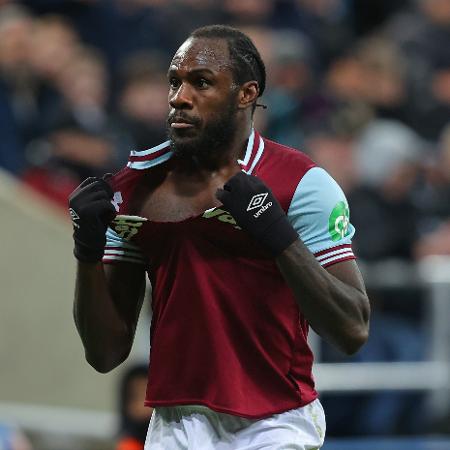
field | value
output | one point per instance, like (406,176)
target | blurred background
(362,86)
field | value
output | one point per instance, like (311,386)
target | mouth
(182,122)
(181,125)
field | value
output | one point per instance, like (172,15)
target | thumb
(107,179)
(222,195)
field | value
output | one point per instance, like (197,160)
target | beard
(208,149)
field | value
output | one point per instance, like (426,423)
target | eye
(203,83)
(174,83)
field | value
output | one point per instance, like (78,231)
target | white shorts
(199,428)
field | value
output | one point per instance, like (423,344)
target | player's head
(214,79)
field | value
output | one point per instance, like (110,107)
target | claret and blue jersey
(226,330)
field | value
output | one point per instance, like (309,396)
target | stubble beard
(209,150)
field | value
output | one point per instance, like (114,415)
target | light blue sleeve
(320,214)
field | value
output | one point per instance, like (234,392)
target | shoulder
(282,168)
(282,157)
(123,184)
(141,164)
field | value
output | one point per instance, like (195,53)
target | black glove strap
(279,236)
(86,253)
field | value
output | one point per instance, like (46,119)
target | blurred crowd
(362,86)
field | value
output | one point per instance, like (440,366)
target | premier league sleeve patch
(339,221)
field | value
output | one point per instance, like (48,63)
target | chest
(172,201)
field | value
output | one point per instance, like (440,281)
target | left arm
(333,300)
(315,232)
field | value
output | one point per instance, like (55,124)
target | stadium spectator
(16,88)
(142,101)
(11,438)
(416,32)
(434,203)
(133,415)
(388,156)
(291,86)
(82,139)
(53,43)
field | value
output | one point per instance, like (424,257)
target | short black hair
(246,61)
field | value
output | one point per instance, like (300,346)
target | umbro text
(262,209)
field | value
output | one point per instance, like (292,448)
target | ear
(248,93)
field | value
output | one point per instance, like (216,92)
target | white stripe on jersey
(258,155)
(107,258)
(333,253)
(248,151)
(114,240)
(151,163)
(337,258)
(118,252)
(149,151)
(117,249)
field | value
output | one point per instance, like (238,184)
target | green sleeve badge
(339,221)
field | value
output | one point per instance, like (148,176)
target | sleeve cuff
(335,255)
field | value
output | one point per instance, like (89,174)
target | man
(245,242)
(133,415)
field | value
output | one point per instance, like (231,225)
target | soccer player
(246,243)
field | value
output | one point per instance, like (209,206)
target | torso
(215,292)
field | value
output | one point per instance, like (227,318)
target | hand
(257,211)
(91,211)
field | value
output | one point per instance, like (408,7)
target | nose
(181,98)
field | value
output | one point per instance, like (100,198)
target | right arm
(108,299)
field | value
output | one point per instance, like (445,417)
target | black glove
(257,211)
(91,211)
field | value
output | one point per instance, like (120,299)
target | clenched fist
(91,211)
(257,211)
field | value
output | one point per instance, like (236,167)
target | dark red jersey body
(226,330)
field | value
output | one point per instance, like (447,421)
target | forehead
(202,53)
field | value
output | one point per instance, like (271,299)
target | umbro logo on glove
(74,216)
(257,200)
(269,225)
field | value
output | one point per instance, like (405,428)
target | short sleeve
(118,249)
(320,214)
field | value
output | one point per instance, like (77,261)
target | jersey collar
(145,159)
(253,152)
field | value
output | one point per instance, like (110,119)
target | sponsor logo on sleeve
(339,221)
(127,226)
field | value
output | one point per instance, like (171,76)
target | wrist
(87,254)
(279,236)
